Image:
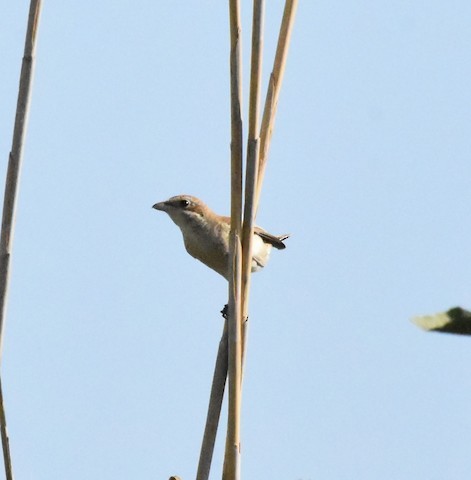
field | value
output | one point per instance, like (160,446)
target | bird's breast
(209,245)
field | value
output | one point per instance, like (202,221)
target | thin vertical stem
(240,252)
(231,470)
(232,454)
(252,161)
(274,88)
(214,409)
(256,67)
(5,440)
(15,158)
(236,117)
(11,194)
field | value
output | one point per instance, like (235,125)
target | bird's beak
(160,206)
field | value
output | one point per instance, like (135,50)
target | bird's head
(184,209)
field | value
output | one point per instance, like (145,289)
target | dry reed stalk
(253,149)
(15,158)
(239,289)
(274,87)
(231,469)
(230,336)
(5,440)
(214,409)
(11,193)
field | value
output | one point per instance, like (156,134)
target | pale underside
(214,253)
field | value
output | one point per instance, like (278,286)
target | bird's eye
(184,203)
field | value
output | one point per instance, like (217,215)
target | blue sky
(113,329)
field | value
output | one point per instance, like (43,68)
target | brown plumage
(206,234)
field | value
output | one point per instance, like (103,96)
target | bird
(206,234)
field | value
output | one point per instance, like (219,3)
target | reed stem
(11,195)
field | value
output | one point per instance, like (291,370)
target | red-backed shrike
(206,234)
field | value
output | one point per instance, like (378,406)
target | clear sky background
(113,329)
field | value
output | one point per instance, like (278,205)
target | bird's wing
(275,240)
